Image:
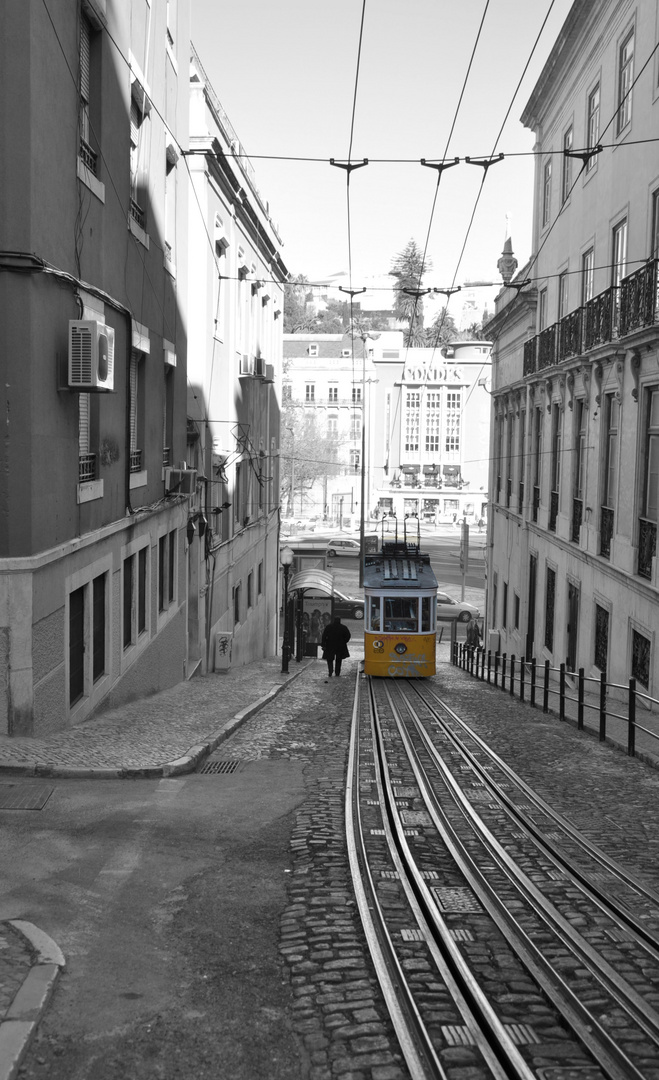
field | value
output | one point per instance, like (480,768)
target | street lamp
(286,562)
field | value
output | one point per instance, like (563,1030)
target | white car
(448,608)
(341,546)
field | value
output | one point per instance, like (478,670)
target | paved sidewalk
(162,735)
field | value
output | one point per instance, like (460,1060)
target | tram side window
(401,613)
(427,620)
(374,614)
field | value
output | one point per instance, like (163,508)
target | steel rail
(609,1056)
(559,857)
(410,1031)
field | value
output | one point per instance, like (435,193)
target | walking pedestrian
(473,634)
(335,646)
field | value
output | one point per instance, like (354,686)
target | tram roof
(391,571)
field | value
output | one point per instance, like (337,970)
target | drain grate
(216,767)
(24,796)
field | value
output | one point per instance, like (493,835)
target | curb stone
(188,762)
(18,1026)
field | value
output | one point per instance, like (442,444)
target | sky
(289,76)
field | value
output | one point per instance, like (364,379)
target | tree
(441,331)
(297,319)
(408,268)
(307,453)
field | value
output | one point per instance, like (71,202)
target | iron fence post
(545,694)
(533,678)
(503,671)
(522,665)
(582,683)
(602,706)
(631,735)
(489,664)
(512,675)
(496,669)
(561,691)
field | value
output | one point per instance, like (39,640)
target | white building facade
(575,447)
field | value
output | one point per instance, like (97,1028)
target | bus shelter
(312,593)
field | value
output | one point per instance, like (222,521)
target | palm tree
(408,268)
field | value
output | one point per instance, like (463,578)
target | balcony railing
(547,347)
(639,299)
(553,510)
(137,214)
(577,518)
(569,335)
(536,501)
(606,531)
(618,311)
(647,546)
(86,468)
(88,156)
(135,460)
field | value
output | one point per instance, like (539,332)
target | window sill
(92,182)
(139,234)
(89,491)
(138,479)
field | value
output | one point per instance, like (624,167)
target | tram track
(514,980)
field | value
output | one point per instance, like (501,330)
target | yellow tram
(400,602)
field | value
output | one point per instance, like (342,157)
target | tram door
(572,626)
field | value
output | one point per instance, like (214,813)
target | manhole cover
(24,796)
(221,766)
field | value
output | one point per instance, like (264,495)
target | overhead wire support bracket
(351,292)
(418,293)
(484,162)
(440,165)
(518,284)
(448,293)
(348,165)
(584,156)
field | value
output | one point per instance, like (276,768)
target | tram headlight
(400,648)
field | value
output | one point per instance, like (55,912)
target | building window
(593,121)
(355,427)
(654,236)
(504,613)
(587,275)
(453,411)
(515,611)
(312,350)
(641,658)
(76,645)
(566,180)
(286,392)
(651,488)
(580,448)
(550,595)
(236,604)
(625,79)
(563,294)
(542,309)
(412,421)
(356,394)
(619,252)
(611,450)
(332,425)
(354,460)
(98,626)
(432,422)
(166,570)
(137,194)
(137,397)
(250,584)
(259,579)
(495,588)
(310,393)
(546,192)
(86,459)
(171,156)
(333,394)
(601,638)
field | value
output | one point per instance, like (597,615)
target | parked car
(348,607)
(448,608)
(343,546)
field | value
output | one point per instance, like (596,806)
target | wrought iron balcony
(86,468)
(598,318)
(577,518)
(606,531)
(547,347)
(553,510)
(569,335)
(529,356)
(137,214)
(647,546)
(639,298)
(536,502)
(88,156)
(135,460)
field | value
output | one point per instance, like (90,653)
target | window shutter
(83,424)
(134,360)
(85,41)
(134,121)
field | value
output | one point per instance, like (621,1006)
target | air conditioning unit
(91,355)
(180,481)
(269,372)
(246,364)
(259,366)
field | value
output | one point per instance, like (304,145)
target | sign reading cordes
(435,373)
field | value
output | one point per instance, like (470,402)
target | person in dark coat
(335,646)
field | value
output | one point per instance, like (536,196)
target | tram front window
(426,614)
(374,614)
(401,613)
